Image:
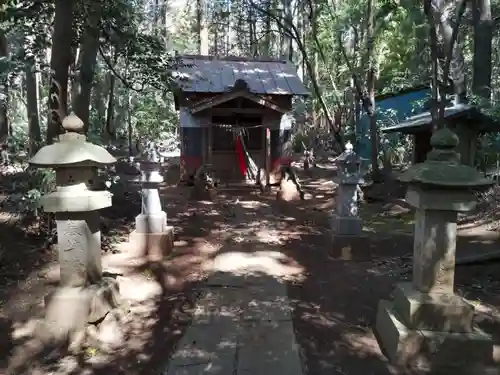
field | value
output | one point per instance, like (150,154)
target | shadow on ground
(334,296)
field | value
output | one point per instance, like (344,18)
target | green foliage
(42,180)
(153,114)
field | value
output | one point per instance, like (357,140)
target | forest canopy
(109,62)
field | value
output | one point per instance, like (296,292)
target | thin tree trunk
(483,36)
(202,28)
(370,83)
(4,90)
(89,50)
(267,29)
(34,132)
(109,131)
(60,61)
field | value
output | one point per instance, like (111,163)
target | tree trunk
(267,29)
(34,132)
(452,54)
(202,27)
(60,60)
(287,4)
(109,128)
(89,50)
(483,36)
(4,91)
(370,83)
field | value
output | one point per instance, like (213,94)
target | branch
(116,74)
(435,16)
(363,94)
(285,24)
(454,36)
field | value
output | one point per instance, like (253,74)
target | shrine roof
(212,74)
(423,121)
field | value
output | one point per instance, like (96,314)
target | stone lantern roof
(350,166)
(443,168)
(150,166)
(72,149)
(349,156)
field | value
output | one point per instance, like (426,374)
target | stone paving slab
(269,309)
(241,325)
(268,348)
(203,369)
(218,279)
(213,344)
(220,303)
(267,301)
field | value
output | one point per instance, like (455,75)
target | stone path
(242,326)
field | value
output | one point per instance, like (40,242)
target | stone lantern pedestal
(152,237)
(345,220)
(426,324)
(84,295)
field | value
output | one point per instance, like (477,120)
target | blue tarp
(389,111)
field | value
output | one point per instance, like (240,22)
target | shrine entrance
(235,115)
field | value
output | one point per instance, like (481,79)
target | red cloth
(240,154)
(281,161)
(190,163)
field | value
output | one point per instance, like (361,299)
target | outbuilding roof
(211,74)
(423,121)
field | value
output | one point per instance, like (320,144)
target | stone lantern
(76,207)
(345,220)
(426,321)
(152,236)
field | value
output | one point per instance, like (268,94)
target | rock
(110,333)
(105,296)
(288,191)
(66,316)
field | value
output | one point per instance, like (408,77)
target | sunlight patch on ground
(213,213)
(10,218)
(25,329)
(271,263)
(270,236)
(391,225)
(206,203)
(320,319)
(252,204)
(263,235)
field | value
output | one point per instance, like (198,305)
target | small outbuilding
(466,120)
(235,113)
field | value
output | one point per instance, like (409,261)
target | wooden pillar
(209,143)
(267,150)
(183,172)
(204,152)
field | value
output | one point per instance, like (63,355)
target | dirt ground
(334,291)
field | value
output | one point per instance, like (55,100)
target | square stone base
(431,351)
(432,312)
(154,223)
(154,246)
(346,226)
